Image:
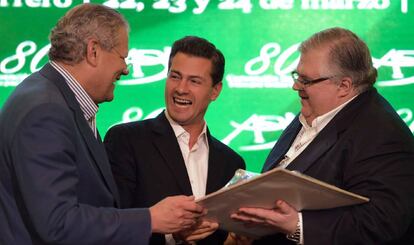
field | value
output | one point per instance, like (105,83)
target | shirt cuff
(297,235)
(169,239)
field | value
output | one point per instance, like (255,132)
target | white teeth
(182,101)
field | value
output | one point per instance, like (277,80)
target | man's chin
(107,99)
(179,120)
(306,112)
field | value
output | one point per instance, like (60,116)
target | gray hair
(71,34)
(348,53)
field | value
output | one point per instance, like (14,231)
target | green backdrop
(258,38)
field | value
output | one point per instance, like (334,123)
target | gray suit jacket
(56,186)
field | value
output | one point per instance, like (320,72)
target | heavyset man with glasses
(347,135)
(56,185)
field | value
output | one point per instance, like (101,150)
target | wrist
(153,221)
(295,236)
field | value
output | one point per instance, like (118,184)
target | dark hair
(71,34)
(348,53)
(200,47)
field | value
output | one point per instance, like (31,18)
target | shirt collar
(179,130)
(88,107)
(321,121)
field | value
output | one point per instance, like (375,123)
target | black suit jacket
(367,149)
(56,185)
(148,165)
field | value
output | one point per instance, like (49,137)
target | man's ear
(346,86)
(92,52)
(216,90)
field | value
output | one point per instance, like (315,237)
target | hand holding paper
(283,217)
(301,192)
(175,213)
(199,231)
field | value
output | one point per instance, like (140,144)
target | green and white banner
(259,39)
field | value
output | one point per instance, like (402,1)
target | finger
(207,223)
(238,217)
(186,224)
(259,213)
(186,203)
(202,231)
(190,215)
(202,228)
(209,227)
(284,208)
(196,237)
(193,207)
(233,235)
(187,198)
(247,218)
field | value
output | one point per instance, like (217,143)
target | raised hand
(175,213)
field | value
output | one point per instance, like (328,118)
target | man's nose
(297,86)
(126,70)
(182,86)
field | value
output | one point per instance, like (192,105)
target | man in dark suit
(347,135)
(175,153)
(56,186)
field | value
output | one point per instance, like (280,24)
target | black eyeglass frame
(295,76)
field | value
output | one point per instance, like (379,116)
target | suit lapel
(323,142)
(215,165)
(329,135)
(166,143)
(95,146)
(282,145)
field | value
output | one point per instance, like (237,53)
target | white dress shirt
(305,136)
(195,159)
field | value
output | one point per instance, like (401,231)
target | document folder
(300,191)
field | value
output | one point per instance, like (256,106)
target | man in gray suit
(56,186)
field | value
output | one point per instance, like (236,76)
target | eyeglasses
(125,59)
(298,79)
(119,54)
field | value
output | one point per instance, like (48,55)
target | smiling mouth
(118,77)
(182,102)
(304,97)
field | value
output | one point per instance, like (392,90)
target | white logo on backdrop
(138,60)
(271,56)
(141,58)
(133,114)
(270,69)
(259,124)
(396,59)
(14,63)
(255,125)
(282,63)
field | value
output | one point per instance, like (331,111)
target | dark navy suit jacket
(56,185)
(148,166)
(367,149)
